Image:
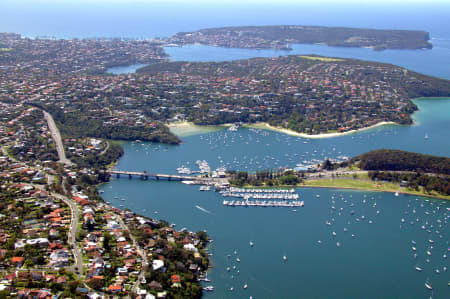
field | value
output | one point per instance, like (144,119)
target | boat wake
(203,209)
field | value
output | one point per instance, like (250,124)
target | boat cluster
(234,269)
(246,196)
(342,216)
(254,190)
(280,194)
(205,188)
(208,288)
(184,170)
(204,277)
(263,140)
(203,166)
(430,248)
(265,203)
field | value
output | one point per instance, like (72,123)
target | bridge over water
(157,176)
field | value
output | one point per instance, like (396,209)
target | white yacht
(205,188)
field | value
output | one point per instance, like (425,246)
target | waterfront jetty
(278,194)
(265,203)
(261,198)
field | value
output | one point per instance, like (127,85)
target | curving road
(106,148)
(57,138)
(73,229)
(78,265)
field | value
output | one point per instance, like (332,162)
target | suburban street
(78,264)
(77,267)
(140,252)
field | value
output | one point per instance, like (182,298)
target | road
(106,148)
(78,265)
(140,251)
(57,138)
(345,173)
(326,174)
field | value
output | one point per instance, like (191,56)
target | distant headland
(281,36)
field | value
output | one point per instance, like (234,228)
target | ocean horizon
(141,20)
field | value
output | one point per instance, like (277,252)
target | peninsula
(280,37)
(307,94)
(380,170)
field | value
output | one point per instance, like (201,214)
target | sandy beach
(266,126)
(185,128)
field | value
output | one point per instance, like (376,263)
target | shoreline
(183,123)
(375,190)
(315,136)
(190,127)
(303,185)
(187,128)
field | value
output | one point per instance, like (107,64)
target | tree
(107,241)
(327,165)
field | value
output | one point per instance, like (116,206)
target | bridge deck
(155,175)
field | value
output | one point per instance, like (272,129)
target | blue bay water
(124,69)
(377,262)
(434,62)
(250,150)
(147,20)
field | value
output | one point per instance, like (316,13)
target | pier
(157,176)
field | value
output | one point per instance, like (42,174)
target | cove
(376,262)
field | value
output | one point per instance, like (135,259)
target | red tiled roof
(17,259)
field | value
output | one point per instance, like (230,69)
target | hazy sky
(308,2)
(143,18)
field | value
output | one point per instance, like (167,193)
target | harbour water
(249,149)
(124,69)
(377,262)
(423,61)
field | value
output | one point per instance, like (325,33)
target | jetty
(245,193)
(266,203)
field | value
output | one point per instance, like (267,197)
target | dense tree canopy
(397,160)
